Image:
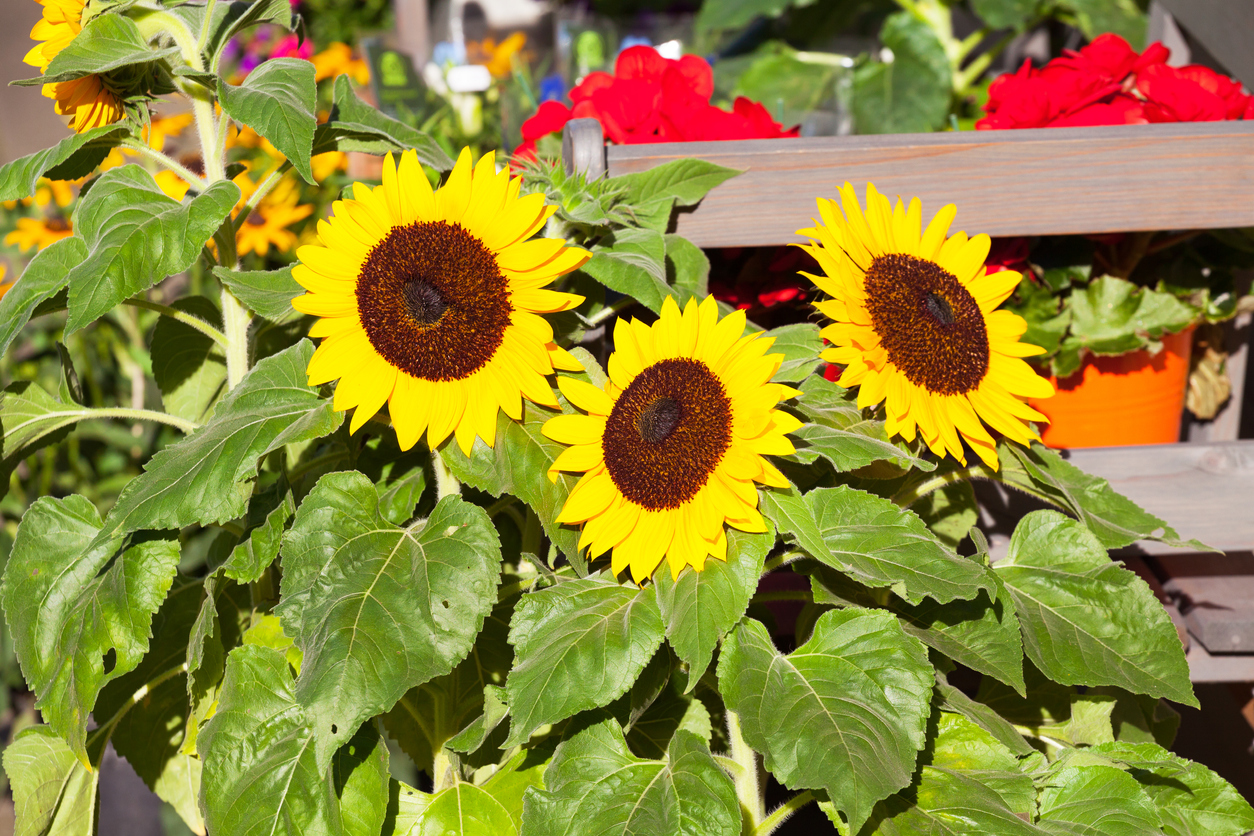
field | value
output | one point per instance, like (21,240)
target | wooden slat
(1205,491)
(1030,182)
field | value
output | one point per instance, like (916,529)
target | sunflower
(671,448)
(429,301)
(915,325)
(37,233)
(89,101)
(268,224)
(337,59)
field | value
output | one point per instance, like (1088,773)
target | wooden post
(583,148)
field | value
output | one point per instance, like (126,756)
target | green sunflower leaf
(948,803)
(879,544)
(79,605)
(687,266)
(632,262)
(377,609)
(260,771)
(963,746)
(136,236)
(69,159)
(685,181)
(268,516)
(577,645)
(1191,799)
(31,419)
(1114,519)
(800,344)
(208,477)
(1086,620)
(1096,800)
(951,699)
(700,607)
(53,792)
(462,808)
(356,126)
(982,634)
(509,784)
(840,432)
(106,43)
(595,785)
(188,365)
(45,276)
(266,292)
(858,695)
(277,101)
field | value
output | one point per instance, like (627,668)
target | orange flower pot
(1134,398)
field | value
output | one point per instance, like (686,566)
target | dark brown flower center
(433,301)
(255,218)
(930,325)
(667,433)
(58,225)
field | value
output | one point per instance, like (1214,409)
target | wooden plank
(1225,667)
(1048,181)
(1218,610)
(1204,490)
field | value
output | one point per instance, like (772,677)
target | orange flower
(89,101)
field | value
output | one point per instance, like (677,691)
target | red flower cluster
(1108,83)
(653,99)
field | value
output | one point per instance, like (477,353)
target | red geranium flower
(653,99)
(1109,83)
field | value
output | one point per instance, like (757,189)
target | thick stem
(235,319)
(748,791)
(138,415)
(182,316)
(781,813)
(444,772)
(446,483)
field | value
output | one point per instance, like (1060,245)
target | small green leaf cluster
(287,628)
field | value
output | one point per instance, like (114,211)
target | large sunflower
(429,301)
(671,448)
(89,101)
(915,325)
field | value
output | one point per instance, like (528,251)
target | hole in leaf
(110,660)
(334,730)
(445,603)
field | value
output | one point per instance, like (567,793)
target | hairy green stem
(182,316)
(609,311)
(162,159)
(911,494)
(781,560)
(235,319)
(781,813)
(446,483)
(748,790)
(133,415)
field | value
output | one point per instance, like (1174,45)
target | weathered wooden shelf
(1029,182)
